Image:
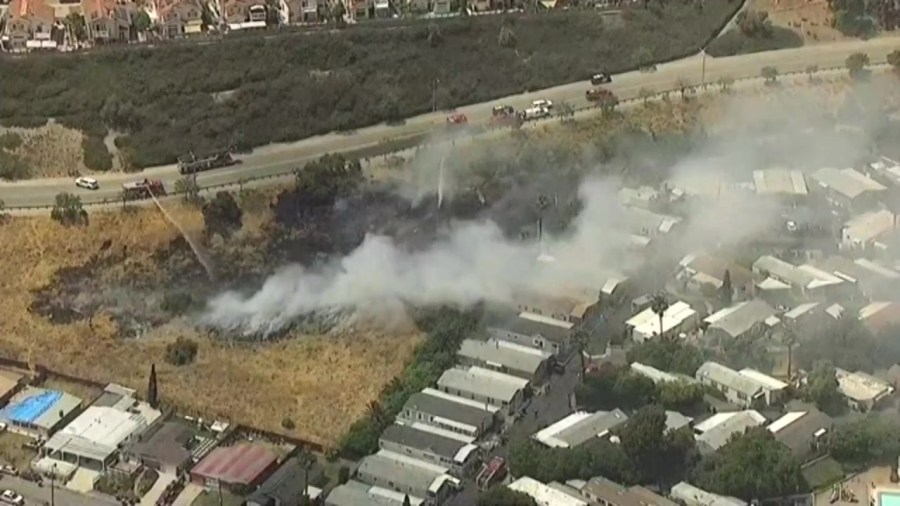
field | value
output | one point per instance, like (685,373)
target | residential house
(381,8)
(506,357)
(609,493)
(788,186)
(716,431)
(646,226)
(704,274)
(871,279)
(356,493)
(743,388)
(869,231)
(449,412)
(805,314)
(689,495)
(29,25)
(244,14)
(574,307)
(803,432)
(177,18)
(107,20)
(38,413)
(537,331)
(862,391)
(95,439)
(643,197)
(885,171)
(235,467)
(430,444)
(849,188)
(407,475)
(171,447)
(676,319)
(804,281)
(744,320)
(553,494)
(580,428)
(676,421)
(484,385)
(287,486)
(880,316)
(305,11)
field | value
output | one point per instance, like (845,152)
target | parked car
(11,497)
(87,182)
(601,78)
(542,103)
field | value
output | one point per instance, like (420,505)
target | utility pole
(52,487)
(434,84)
(703,67)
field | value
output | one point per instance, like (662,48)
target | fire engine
(191,163)
(492,472)
(597,94)
(143,189)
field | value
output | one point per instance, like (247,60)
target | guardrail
(392,145)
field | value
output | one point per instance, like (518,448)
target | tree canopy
(874,439)
(668,355)
(751,466)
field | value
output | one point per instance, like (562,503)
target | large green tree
(669,355)
(68,210)
(751,466)
(874,439)
(822,388)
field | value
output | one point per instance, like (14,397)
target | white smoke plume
(473,261)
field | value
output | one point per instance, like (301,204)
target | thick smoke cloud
(473,261)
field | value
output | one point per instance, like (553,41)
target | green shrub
(343,475)
(167,108)
(287,423)
(734,42)
(10,141)
(96,155)
(13,168)
(177,302)
(182,352)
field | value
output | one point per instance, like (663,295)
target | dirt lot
(322,383)
(810,18)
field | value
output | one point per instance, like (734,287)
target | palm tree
(306,461)
(580,340)
(790,340)
(659,303)
(543,202)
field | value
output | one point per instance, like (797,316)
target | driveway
(157,489)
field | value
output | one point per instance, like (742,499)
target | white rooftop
(545,495)
(765,380)
(545,320)
(654,374)
(647,322)
(867,227)
(785,421)
(483,382)
(861,386)
(99,430)
(459,400)
(779,181)
(847,182)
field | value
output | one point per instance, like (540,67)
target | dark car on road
(601,78)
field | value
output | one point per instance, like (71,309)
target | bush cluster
(734,42)
(168,100)
(96,156)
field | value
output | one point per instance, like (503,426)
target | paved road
(35,495)
(276,159)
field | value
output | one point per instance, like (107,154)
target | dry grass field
(51,150)
(322,383)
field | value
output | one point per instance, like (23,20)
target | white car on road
(87,182)
(546,104)
(10,497)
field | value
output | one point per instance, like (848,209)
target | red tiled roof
(241,464)
(31,8)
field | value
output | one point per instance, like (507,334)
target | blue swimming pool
(889,499)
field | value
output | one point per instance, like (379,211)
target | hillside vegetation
(170,100)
